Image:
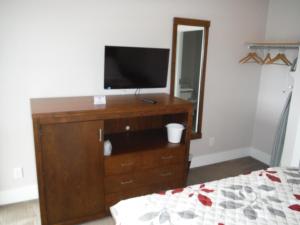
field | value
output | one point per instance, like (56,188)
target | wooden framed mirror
(189,53)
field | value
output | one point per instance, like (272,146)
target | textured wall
(275,79)
(56,48)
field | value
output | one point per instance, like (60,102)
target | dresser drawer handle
(127,164)
(167,157)
(127,182)
(166,174)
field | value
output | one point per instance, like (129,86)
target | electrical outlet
(18,173)
(211,141)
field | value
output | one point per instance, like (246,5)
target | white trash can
(174,132)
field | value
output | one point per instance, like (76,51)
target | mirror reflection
(190,39)
(188,69)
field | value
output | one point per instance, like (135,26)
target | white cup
(174,132)
(107,148)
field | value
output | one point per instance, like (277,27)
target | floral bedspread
(264,197)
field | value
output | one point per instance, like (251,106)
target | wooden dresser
(76,182)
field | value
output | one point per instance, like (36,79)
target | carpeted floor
(27,213)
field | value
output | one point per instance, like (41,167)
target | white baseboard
(260,155)
(203,160)
(31,192)
(18,195)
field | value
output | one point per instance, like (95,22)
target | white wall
(274,88)
(283,17)
(281,26)
(55,48)
(291,150)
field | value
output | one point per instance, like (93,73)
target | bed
(269,196)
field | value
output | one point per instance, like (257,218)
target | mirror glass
(189,59)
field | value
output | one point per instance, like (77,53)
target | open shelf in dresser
(69,135)
(135,141)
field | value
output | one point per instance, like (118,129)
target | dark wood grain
(191,22)
(144,140)
(143,160)
(157,178)
(116,106)
(73,185)
(113,198)
(133,123)
(121,164)
(39,169)
(72,170)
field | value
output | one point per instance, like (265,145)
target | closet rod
(272,47)
(275,45)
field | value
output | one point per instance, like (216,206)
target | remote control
(149,100)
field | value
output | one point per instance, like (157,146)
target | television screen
(132,67)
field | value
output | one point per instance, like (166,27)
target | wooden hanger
(251,56)
(280,57)
(286,60)
(267,59)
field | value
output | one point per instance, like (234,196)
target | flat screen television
(134,67)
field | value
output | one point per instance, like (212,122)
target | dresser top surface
(114,104)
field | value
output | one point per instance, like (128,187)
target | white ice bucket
(174,131)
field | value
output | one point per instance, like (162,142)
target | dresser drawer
(169,185)
(167,174)
(120,183)
(162,157)
(170,156)
(121,187)
(126,182)
(149,160)
(120,164)
(134,162)
(161,175)
(113,198)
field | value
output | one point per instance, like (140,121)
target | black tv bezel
(132,88)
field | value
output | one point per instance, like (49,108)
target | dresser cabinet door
(72,164)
